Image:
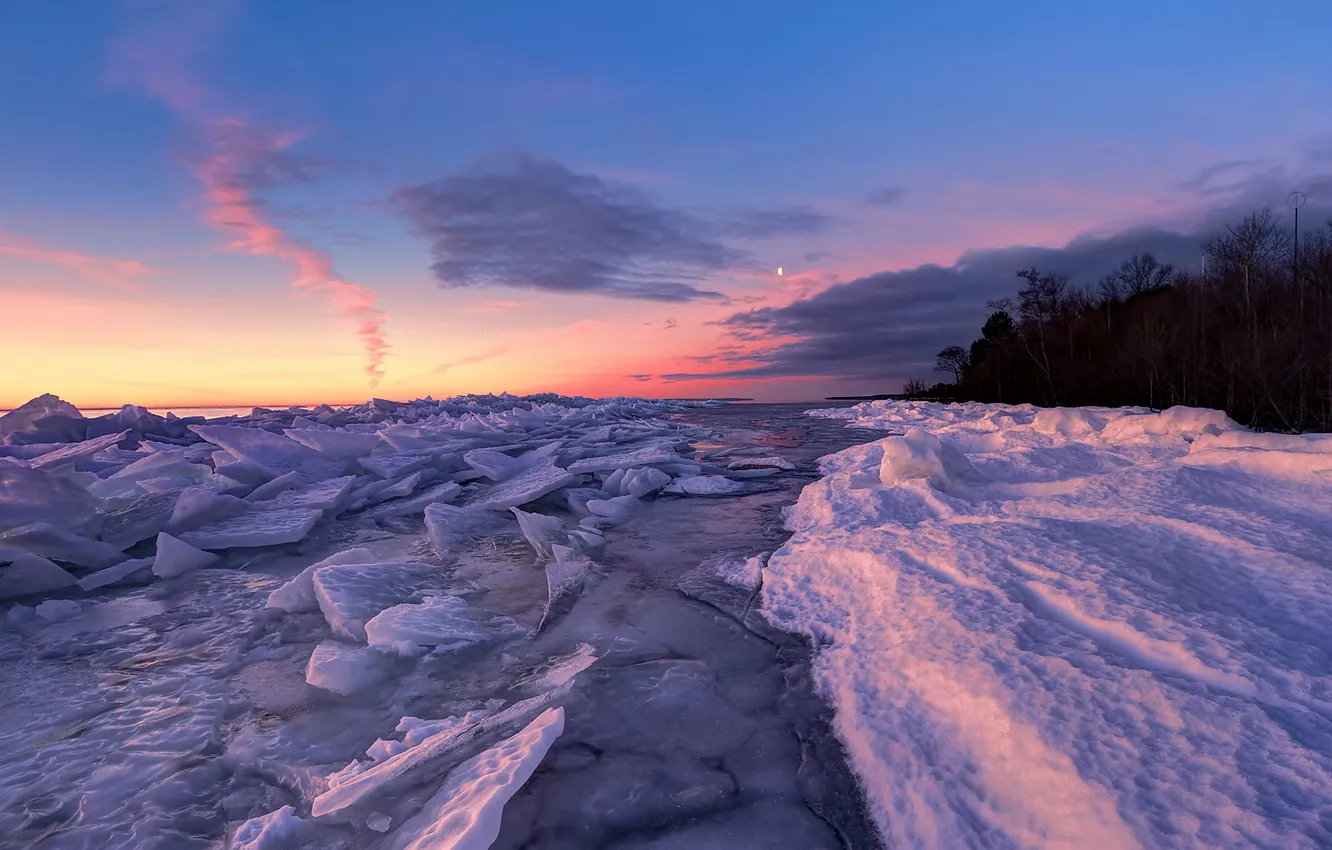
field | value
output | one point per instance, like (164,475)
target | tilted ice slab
(451,528)
(528,486)
(443,622)
(565,579)
(465,813)
(298,594)
(403,768)
(274,454)
(343,445)
(137,569)
(58,544)
(31,495)
(415,505)
(1138,625)
(635,481)
(346,669)
(352,594)
(22,574)
(657,452)
(256,527)
(175,557)
(199,506)
(705,485)
(139,520)
(74,451)
(541,531)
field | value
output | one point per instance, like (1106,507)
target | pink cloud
(229,171)
(238,159)
(119,274)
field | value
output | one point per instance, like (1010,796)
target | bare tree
(954,359)
(914,387)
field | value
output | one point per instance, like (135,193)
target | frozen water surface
(587,670)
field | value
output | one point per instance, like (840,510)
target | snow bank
(1071,628)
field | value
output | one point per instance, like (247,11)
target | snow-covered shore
(1072,628)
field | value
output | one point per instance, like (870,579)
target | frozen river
(165,715)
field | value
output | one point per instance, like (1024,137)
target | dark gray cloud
(888,326)
(526,222)
(876,331)
(640,377)
(888,196)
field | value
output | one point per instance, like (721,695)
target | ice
(528,486)
(74,451)
(138,568)
(273,454)
(394,466)
(498,466)
(58,544)
(641,482)
(452,528)
(345,669)
(176,557)
(465,813)
(705,485)
(757,463)
(445,622)
(652,453)
(174,465)
(565,578)
(55,610)
(139,520)
(378,822)
(279,830)
(298,595)
(198,506)
(351,594)
(272,489)
(445,492)
(386,777)
(257,527)
(47,418)
(614,511)
(1137,599)
(324,496)
(541,531)
(343,445)
(23,574)
(31,495)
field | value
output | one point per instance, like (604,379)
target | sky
(229,203)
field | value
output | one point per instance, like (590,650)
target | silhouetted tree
(954,359)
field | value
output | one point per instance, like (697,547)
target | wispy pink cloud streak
(230,170)
(120,274)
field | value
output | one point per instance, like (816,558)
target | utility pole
(1296,200)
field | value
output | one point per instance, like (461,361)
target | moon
(779,271)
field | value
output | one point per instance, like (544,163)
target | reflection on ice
(473,621)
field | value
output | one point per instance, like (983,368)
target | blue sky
(996,124)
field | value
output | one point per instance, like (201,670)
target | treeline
(1251,334)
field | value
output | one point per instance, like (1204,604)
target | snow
(465,813)
(1071,628)
(278,830)
(175,557)
(256,527)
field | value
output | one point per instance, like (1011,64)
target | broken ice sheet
(445,622)
(260,526)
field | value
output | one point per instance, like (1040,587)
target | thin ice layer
(465,813)
(528,486)
(1054,628)
(351,594)
(444,622)
(256,527)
